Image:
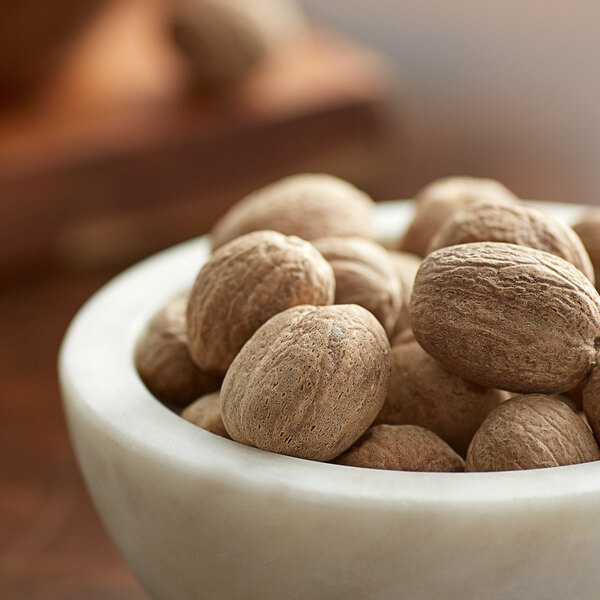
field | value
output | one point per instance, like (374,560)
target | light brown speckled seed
(514,223)
(243,285)
(422,392)
(206,413)
(507,317)
(310,206)
(402,448)
(364,275)
(439,200)
(163,360)
(309,382)
(531,432)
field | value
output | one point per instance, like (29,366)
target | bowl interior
(98,374)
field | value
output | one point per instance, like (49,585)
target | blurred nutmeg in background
(223,40)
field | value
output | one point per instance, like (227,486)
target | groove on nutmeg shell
(507,316)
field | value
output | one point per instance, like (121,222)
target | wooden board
(90,185)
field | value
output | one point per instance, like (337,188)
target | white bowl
(198,516)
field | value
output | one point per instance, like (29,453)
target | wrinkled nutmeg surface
(402,448)
(507,317)
(310,206)
(422,392)
(163,360)
(406,266)
(309,382)
(588,231)
(440,199)
(206,413)
(243,285)
(364,275)
(591,402)
(514,223)
(531,432)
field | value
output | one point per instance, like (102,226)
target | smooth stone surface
(198,516)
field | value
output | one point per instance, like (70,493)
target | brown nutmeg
(406,266)
(244,284)
(163,360)
(206,413)
(588,230)
(531,432)
(221,41)
(310,206)
(439,200)
(591,401)
(422,392)
(309,382)
(364,275)
(507,316)
(402,448)
(514,223)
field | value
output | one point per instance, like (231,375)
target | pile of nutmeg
(477,339)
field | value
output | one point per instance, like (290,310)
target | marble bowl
(198,516)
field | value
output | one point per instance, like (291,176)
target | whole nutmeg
(422,392)
(163,360)
(222,40)
(514,223)
(364,275)
(507,316)
(402,448)
(406,266)
(206,413)
(531,432)
(591,401)
(309,382)
(310,206)
(588,230)
(439,200)
(243,285)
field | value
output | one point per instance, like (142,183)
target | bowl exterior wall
(197,535)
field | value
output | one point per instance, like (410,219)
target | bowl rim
(113,398)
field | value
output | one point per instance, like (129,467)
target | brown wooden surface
(52,544)
(145,174)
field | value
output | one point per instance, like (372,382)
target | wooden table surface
(52,544)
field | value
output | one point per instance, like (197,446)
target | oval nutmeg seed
(243,285)
(422,392)
(531,432)
(440,199)
(364,275)
(507,316)
(402,448)
(163,361)
(513,223)
(588,231)
(221,41)
(309,382)
(591,401)
(406,266)
(310,206)
(206,414)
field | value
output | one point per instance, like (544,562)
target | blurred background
(129,125)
